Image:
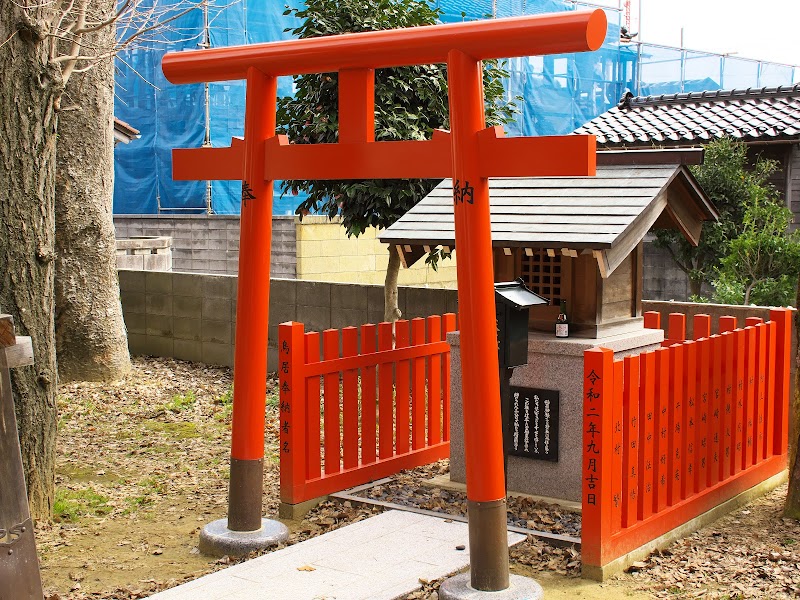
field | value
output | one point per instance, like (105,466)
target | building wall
(663,280)
(192,316)
(793,184)
(324,252)
(210,243)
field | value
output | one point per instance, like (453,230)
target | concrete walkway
(382,557)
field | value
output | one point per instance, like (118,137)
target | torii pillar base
(519,588)
(217,540)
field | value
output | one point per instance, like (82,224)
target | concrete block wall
(192,316)
(210,243)
(179,315)
(324,252)
(145,253)
(663,280)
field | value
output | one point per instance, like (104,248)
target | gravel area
(405,489)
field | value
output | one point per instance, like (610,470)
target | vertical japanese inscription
(592,433)
(533,423)
(285,396)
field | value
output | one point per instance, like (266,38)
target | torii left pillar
(245,530)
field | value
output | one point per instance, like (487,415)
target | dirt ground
(143,465)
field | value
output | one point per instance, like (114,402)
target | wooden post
(662,436)
(252,312)
(783,355)
(677,327)
(632,474)
(386,418)
(598,386)
(690,419)
(703,413)
(677,430)
(739,336)
(701,327)
(617,448)
(403,388)
(647,418)
(729,370)
(448,325)
(350,401)
(332,439)
(749,395)
(652,319)
(19,566)
(292,413)
(715,412)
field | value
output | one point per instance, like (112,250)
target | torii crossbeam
(469,154)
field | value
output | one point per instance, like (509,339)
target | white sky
(762,29)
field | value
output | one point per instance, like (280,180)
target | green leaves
(732,185)
(410,103)
(763,261)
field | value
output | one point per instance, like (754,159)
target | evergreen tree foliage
(410,102)
(733,186)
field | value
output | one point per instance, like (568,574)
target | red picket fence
(672,433)
(398,391)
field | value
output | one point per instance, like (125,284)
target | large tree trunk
(391,312)
(28,123)
(695,286)
(792,507)
(91,341)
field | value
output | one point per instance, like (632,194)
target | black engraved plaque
(533,423)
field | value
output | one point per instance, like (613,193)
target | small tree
(410,103)
(763,261)
(732,186)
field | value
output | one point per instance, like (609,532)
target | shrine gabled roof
(753,115)
(608,214)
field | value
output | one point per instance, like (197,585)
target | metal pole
(252,313)
(640,21)
(483,436)
(683,62)
(207,98)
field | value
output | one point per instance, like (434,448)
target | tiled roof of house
(752,115)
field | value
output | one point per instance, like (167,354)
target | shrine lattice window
(543,274)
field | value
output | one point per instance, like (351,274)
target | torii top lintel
(499,38)
(354,56)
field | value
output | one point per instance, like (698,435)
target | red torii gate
(469,154)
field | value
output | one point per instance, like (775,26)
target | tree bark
(28,124)
(792,506)
(695,286)
(391,311)
(91,341)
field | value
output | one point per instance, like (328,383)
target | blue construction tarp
(560,93)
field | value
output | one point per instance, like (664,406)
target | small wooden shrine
(574,238)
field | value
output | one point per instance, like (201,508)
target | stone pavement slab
(380,558)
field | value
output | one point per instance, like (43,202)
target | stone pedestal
(553,364)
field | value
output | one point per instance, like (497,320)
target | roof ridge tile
(631,101)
